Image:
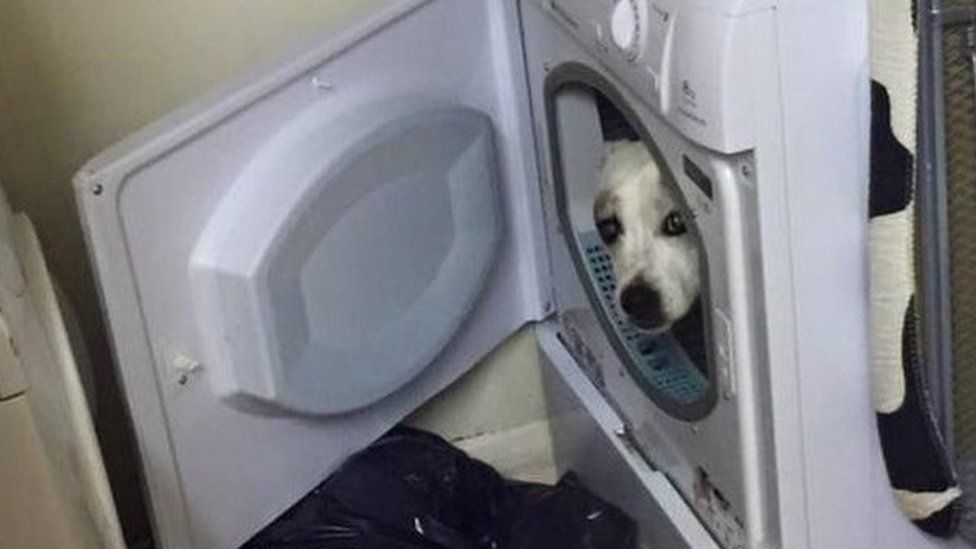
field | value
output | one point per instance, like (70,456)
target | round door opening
(634,241)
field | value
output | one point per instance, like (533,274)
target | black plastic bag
(413,490)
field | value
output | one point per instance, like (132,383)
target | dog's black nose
(642,304)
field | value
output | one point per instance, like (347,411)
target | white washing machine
(55,488)
(292,266)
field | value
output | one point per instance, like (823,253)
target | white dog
(655,258)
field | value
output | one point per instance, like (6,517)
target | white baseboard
(520,453)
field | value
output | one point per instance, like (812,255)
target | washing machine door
(291,267)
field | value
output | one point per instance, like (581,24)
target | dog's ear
(609,147)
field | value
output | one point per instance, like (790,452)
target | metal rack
(946,201)
(932,207)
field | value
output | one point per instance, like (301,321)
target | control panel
(628,27)
(690,60)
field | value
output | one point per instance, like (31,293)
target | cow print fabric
(916,457)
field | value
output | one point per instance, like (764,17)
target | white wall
(77,75)
(502,392)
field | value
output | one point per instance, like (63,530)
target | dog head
(654,255)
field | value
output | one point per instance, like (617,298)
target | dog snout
(642,304)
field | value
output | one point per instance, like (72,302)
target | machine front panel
(689,403)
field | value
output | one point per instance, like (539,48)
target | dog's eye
(610,229)
(674,225)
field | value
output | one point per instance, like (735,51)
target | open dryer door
(290,268)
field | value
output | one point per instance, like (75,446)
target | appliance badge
(688,95)
(689,104)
